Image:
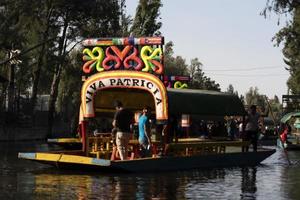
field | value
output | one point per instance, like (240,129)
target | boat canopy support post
(84,135)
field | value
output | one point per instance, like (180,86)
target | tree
(126,20)
(230,90)
(276,107)
(195,70)
(73,17)
(44,13)
(290,37)
(198,78)
(145,20)
(169,58)
(174,65)
(14,31)
(69,94)
(280,6)
(251,96)
(242,98)
(254,98)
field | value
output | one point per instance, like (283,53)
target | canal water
(21,179)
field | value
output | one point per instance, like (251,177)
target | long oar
(281,142)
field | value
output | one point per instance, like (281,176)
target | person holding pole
(252,126)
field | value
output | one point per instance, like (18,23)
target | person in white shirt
(252,126)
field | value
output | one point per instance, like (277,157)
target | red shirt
(283,135)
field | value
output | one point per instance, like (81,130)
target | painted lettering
(87,99)
(149,85)
(135,82)
(90,93)
(100,84)
(143,83)
(112,81)
(158,101)
(127,81)
(119,82)
(156,91)
(93,86)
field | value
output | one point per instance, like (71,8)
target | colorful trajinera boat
(131,70)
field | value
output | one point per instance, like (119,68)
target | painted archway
(124,79)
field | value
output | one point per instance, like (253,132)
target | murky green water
(21,179)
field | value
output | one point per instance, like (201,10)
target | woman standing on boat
(252,126)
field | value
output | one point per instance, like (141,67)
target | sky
(230,38)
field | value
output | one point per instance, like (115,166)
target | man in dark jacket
(122,122)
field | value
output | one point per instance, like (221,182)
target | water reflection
(290,177)
(71,187)
(21,179)
(248,184)
(57,186)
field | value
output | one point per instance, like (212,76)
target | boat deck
(77,160)
(189,153)
(102,147)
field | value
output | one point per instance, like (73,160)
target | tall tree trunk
(11,88)
(37,71)
(56,77)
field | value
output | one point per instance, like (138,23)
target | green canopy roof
(288,116)
(204,102)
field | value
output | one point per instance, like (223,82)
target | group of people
(248,130)
(122,122)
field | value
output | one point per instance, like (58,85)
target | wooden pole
(281,142)
(84,135)
(11,88)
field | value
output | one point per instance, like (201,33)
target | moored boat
(66,160)
(134,75)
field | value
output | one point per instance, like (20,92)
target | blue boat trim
(101,162)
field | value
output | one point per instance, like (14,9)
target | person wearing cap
(122,122)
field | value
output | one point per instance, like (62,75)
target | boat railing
(100,146)
(201,148)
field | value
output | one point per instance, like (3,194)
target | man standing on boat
(144,131)
(252,126)
(122,121)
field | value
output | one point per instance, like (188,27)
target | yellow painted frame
(161,114)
